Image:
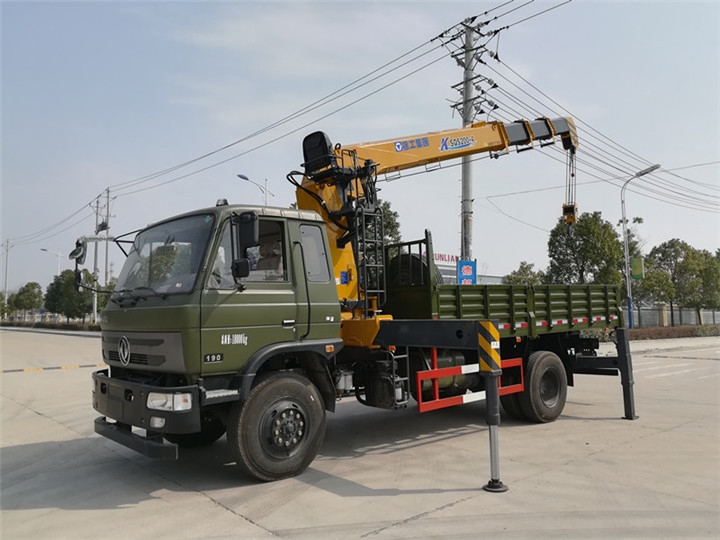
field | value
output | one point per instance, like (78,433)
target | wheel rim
(283,429)
(550,389)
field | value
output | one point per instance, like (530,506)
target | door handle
(288,323)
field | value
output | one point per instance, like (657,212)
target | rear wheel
(511,405)
(210,431)
(545,387)
(277,431)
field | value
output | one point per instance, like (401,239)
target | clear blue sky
(97,94)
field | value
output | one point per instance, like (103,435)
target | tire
(511,406)
(277,431)
(545,387)
(210,431)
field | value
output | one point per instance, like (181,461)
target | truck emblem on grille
(124,350)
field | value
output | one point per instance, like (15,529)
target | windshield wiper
(127,295)
(150,289)
(121,293)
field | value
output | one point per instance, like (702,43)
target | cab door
(318,307)
(237,321)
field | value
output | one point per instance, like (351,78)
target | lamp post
(628,277)
(264,190)
(58,254)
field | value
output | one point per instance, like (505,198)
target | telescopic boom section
(339,181)
(394,155)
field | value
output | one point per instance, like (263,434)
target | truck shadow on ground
(94,473)
(355,430)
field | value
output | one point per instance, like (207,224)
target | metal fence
(662,316)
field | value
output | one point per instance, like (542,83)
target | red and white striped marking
(507,326)
(557,322)
(441,403)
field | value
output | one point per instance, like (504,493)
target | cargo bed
(414,291)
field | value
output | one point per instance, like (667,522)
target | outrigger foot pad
(496,486)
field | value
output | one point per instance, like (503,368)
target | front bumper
(126,403)
(151,446)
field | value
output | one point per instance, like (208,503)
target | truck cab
(205,303)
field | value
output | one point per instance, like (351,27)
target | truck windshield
(165,258)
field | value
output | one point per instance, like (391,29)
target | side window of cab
(267,260)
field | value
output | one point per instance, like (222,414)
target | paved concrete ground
(380,474)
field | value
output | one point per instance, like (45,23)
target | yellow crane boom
(339,183)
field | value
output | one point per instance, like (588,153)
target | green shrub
(708,330)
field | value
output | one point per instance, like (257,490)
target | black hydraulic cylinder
(612,365)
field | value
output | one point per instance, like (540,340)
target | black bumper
(126,403)
(151,446)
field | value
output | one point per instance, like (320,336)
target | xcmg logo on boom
(456,143)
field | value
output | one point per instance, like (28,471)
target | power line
(666,190)
(611,161)
(353,86)
(341,92)
(288,133)
(30,241)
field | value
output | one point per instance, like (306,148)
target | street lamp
(264,190)
(58,254)
(628,277)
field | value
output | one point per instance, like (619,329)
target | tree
(635,243)
(525,275)
(693,274)
(667,257)
(12,303)
(61,296)
(710,277)
(392,223)
(589,251)
(29,297)
(688,285)
(104,297)
(391,227)
(656,286)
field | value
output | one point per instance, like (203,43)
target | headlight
(169,402)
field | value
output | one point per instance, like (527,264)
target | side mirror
(78,254)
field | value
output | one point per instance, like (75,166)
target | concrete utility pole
(95,262)
(466,203)
(7,259)
(107,232)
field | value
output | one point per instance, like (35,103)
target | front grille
(157,351)
(141,359)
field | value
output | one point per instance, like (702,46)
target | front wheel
(545,387)
(277,431)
